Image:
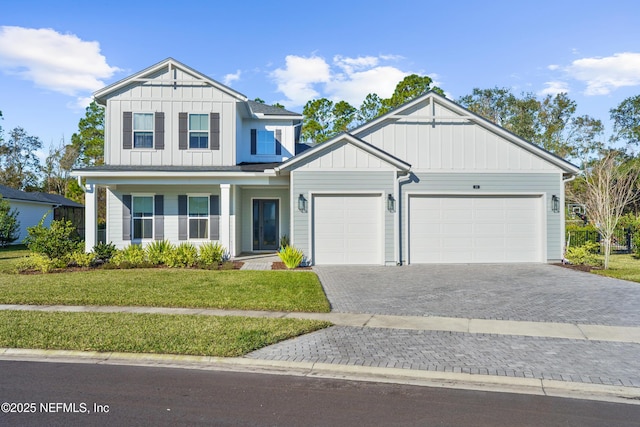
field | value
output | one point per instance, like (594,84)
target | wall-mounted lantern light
(302,203)
(555,203)
(391,203)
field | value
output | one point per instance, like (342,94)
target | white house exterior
(189,159)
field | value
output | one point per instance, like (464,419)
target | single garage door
(475,229)
(346,229)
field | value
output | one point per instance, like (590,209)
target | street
(59,394)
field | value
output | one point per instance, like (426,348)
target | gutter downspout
(397,220)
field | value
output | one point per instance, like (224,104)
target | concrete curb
(532,386)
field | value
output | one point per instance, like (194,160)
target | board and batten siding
(345,156)
(170,193)
(546,184)
(163,97)
(308,182)
(450,143)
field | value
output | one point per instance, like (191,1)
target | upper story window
(198,131)
(198,217)
(266,142)
(142,216)
(142,130)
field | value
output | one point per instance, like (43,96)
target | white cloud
(59,62)
(604,75)
(230,78)
(554,88)
(345,78)
(553,67)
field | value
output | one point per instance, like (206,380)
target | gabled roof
(170,63)
(431,96)
(319,150)
(259,109)
(37,197)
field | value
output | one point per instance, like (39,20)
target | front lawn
(147,333)
(624,267)
(164,287)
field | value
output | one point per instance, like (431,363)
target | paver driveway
(526,292)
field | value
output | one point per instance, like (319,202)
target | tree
(19,160)
(343,116)
(409,88)
(88,143)
(318,120)
(609,188)
(626,120)
(370,108)
(9,224)
(57,168)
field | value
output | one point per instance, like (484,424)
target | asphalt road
(58,394)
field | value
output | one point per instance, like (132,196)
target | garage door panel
(347,229)
(475,229)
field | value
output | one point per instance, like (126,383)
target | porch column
(225,212)
(90,217)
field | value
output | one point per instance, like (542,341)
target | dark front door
(265,224)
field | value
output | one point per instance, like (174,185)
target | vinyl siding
(339,182)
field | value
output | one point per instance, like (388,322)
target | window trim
(206,217)
(151,218)
(189,131)
(152,131)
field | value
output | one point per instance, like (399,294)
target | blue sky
(54,55)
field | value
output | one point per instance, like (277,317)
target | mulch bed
(586,268)
(279,265)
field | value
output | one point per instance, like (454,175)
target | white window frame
(151,131)
(273,148)
(143,218)
(206,217)
(190,131)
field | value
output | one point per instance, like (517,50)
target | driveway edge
(462,381)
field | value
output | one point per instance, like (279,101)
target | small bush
(9,224)
(132,255)
(291,256)
(57,241)
(159,251)
(211,254)
(184,255)
(104,251)
(284,241)
(39,262)
(585,255)
(81,259)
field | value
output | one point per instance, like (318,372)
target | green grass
(624,267)
(243,290)
(10,255)
(147,333)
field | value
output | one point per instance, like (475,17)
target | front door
(265,224)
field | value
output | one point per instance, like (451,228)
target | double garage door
(475,229)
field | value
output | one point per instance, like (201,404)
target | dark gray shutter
(254,141)
(182,218)
(127,130)
(278,145)
(158,215)
(159,131)
(214,123)
(183,131)
(126,217)
(214,217)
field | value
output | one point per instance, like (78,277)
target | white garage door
(347,229)
(475,229)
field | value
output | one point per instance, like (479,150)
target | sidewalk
(493,355)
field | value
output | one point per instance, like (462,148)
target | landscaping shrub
(104,251)
(284,241)
(59,240)
(159,251)
(211,254)
(9,224)
(81,259)
(131,256)
(184,255)
(291,256)
(39,262)
(585,255)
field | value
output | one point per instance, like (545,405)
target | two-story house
(189,159)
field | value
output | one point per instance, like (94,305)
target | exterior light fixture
(391,203)
(555,203)
(302,203)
